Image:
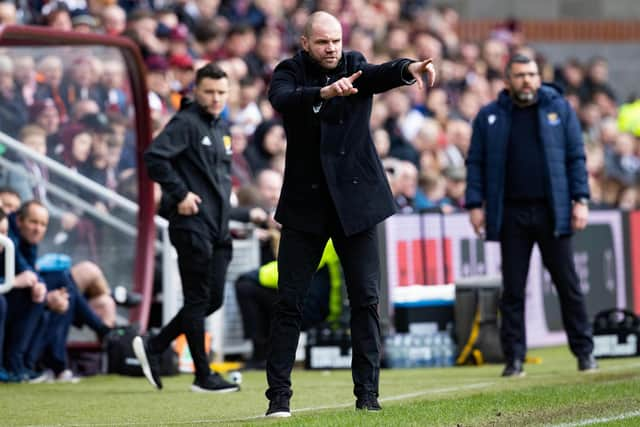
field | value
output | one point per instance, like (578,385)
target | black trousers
(203,268)
(523,225)
(298,258)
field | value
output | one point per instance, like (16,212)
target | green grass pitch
(552,393)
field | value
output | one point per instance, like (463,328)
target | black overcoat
(329,144)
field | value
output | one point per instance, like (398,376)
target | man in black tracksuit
(334,187)
(191,160)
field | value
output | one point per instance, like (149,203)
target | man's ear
(304,42)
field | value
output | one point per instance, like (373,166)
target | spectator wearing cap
(182,76)
(179,41)
(13,110)
(157,80)
(45,114)
(83,22)
(456,177)
(50,73)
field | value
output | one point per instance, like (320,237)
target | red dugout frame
(20,36)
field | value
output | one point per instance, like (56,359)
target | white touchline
(590,421)
(385,399)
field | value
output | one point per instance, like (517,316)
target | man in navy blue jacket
(527,183)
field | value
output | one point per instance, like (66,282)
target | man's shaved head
(322,39)
(322,18)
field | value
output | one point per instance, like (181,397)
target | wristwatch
(583,201)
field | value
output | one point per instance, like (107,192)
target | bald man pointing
(334,187)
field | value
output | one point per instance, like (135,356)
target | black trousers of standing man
(203,268)
(298,258)
(525,223)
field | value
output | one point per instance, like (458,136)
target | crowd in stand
(74,105)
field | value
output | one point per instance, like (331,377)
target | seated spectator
(456,179)
(114,82)
(25,304)
(431,193)
(268,141)
(256,292)
(622,164)
(47,345)
(50,73)
(26,289)
(404,183)
(13,109)
(29,182)
(45,114)
(9,200)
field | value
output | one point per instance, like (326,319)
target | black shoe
(126,298)
(214,383)
(368,403)
(513,369)
(148,361)
(587,363)
(279,407)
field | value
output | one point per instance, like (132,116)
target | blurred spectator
(458,136)
(45,114)
(241,174)
(268,141)
(456,176)
(263,59)
(8,14)
(248,114)
(182,77)
(30,182)
(495,54)
(25,77)
(57,15)
(83,22)
(9,200)
(597,79)
(13,110)
(81,83)
(622,164)
(404,184)
(114,20)
(50,73)
(178,41)
(113,83)
(158,81)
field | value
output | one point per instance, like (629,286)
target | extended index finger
(355,75)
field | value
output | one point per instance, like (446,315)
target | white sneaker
(47,376)
(67,376)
